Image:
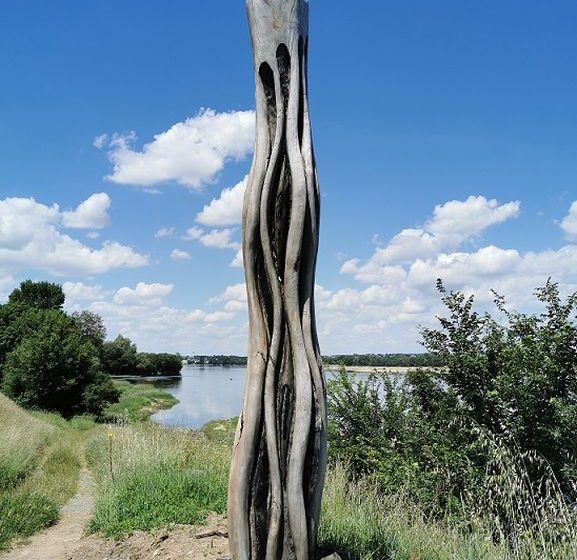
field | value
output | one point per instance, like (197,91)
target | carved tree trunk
(279,455)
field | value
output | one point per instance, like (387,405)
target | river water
(205,393)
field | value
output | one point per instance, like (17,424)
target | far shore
(371,369)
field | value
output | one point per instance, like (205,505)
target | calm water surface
(205,393)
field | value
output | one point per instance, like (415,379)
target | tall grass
(507,517)
(149,476)
(360,523)
(39,467)
(21,444)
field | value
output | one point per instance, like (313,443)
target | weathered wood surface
(279,456)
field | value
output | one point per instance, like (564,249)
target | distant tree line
(386,360)
(121,357)
(372,360)
(219,360)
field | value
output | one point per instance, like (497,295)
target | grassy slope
(150,476)
(39,467)
(41,455)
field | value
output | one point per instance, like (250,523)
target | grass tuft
(149,477)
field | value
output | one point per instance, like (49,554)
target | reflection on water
(205,393)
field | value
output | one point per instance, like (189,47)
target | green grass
(361,524)
(139,401)
(39,468)
(22,442)
(221,431)
(149,476)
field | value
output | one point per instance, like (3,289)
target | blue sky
(446,143)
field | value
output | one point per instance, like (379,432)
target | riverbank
(138,401)
(369,369)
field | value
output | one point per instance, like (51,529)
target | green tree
(91,326)
(516,379)
(119,356)
(42,295)
(56,368)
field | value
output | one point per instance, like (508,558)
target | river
(205,393)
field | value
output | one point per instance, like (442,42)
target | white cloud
(226,210)
(90,214)
(78,291)
(470,217)
(452,224)
(237,262)
(192,152)
(164,232)
(193,233)
(178,255)
(100,141)
(215,238)
(7,284)
(401,276)
(219,239)
(30,239)
(142,294)
(234,298)
(569,223)
(141,313)
(93,235)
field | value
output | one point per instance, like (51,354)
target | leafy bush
(516,380)
(490,436)
(56,368)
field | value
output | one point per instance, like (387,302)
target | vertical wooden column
(279,456)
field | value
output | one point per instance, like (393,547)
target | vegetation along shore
(473,460)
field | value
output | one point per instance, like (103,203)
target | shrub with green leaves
(511,381)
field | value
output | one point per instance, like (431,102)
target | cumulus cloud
(142,294)
(142,313)
(452,224)
(164,232)
(569,223)
(401,277)
(179,255)
(30,238)
(192,152)
(193,233)
(215,238)
(100,141)
(234,298)
(219,239)
(226,210)
(78,292)
(90,214)
(237,262)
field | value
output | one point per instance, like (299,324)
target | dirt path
(66,540)
(56,542)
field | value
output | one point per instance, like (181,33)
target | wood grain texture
(279,456)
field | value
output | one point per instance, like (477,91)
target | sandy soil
(208,542)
